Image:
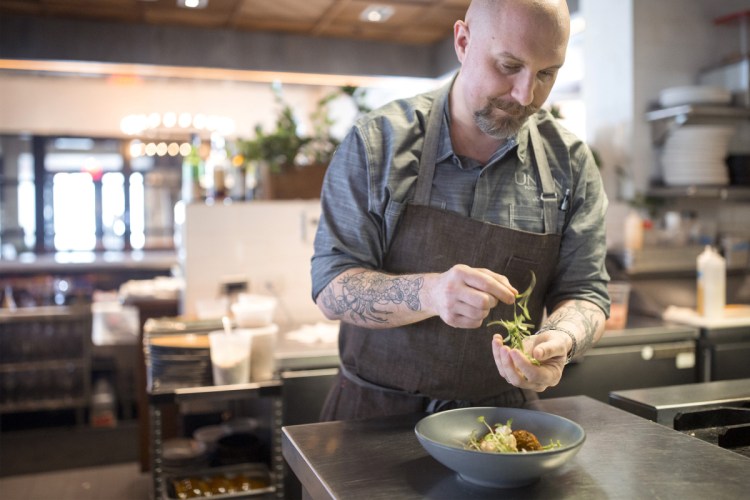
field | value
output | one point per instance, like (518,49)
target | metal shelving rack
(270,389)
(45,360)
(666,120)
(163,399)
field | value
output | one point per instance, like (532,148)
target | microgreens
(518,329)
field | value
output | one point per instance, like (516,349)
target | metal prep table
(624,456)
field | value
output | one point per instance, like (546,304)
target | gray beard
(505,126)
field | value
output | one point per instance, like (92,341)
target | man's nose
(523,90)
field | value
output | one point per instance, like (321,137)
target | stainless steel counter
(661,404)
(624,456)
(647,329)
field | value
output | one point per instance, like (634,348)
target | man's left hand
(548,348)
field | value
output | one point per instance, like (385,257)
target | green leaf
(518,329)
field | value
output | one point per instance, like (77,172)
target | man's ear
(460,39)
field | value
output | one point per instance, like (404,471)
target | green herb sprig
(518,329)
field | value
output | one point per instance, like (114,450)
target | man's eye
(546,75)
(510,68)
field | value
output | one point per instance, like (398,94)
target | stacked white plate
(696,155)
(694,94)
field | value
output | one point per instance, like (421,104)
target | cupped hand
(463,296)
(548,348)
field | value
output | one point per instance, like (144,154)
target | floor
(76,462)
(31,451)
(107,482)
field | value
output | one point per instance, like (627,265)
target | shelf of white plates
(666,120)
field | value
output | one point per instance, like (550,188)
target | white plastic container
(230,357)
(712,280)
(261,350)
(254,311)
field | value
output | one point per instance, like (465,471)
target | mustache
(512,108)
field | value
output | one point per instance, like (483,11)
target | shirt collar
(445,148)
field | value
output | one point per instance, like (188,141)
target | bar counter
(624,456)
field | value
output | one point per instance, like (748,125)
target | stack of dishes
(179,454)
(696,155)
(178,361)
(694,94)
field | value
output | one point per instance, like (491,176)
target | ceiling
(418,22)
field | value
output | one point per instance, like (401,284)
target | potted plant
(289,165)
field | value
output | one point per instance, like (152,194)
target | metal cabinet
(724,353)
(632,359)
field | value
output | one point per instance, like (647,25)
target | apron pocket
(517,271)
(527,218)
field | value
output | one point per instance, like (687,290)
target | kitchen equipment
(695,154)
(262,341)
(177,360)
(263,351)
(739,169)
(624,457)
(208,309)
(712,283)
(736,249)
(445,434)
(184,453)
(694,94)
(220,483)
(648,353)
(619,295)
(230,357)
(241,447)
(252,311)
(723,344)
(715,412)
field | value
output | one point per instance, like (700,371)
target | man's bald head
(552,16)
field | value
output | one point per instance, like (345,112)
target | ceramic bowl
(444,435)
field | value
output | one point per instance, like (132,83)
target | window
(83,194)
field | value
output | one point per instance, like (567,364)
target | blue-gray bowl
(445,434)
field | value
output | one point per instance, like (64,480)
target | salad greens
(502,439)
(518,329)
(498,440)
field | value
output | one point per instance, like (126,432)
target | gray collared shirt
(373,176)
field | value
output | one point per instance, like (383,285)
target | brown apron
(429,366)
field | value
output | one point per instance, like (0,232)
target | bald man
(436,212)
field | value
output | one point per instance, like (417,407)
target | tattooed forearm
(584,316)
(369,296)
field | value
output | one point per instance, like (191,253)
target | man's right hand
(463,296)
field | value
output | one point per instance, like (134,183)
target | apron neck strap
(431,146)
(549,194)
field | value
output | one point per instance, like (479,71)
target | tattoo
(582,314)
(361,293)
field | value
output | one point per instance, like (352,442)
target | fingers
(519,371)
(494,284)
(463,296)
(549,345)
(490,283)
(463,315)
